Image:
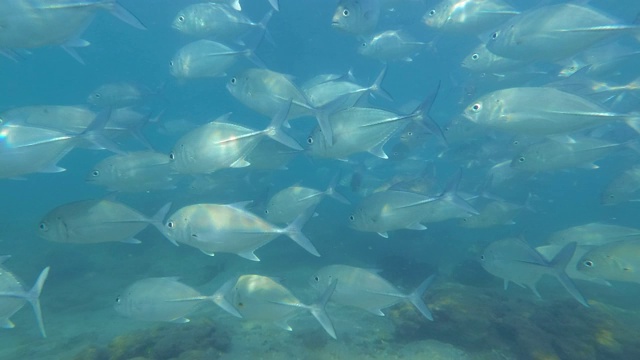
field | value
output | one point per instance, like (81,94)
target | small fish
(133,172)
(481,60)
(513,260)
(367,290)
(96,221)
(495,213)
(391,45)
(159,299)
(260,298)
(468,16)
(357,17)
(615,261)
(624,187)
(230,228)
(13,296)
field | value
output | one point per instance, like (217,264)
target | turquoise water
(474,317)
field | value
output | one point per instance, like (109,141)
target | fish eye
(588,263)
(97,95)
(432,12)
(521,159)
(516,142)
(266,211)
(171,63)
(481,257)
(118,300)
(181,18)
(233,80)
(364,44)
(309,140)
(95,173)
(170,224)
(345,12)
(352,218)
(495,35)
(316,278)
(172,156)
(475,57)
(476,107)
(43,227)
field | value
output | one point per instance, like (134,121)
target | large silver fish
(593,234)
(513,260)
(554,32)
(540,111)
(468,16)
(218,21)
(159,299)
(33,24)
(133,172)
(616,261)
(260,298)
(206,58)
(265,92)
(555,155)
(13,296)
(391,45)
(624,187)
(219,145)
(96,221)
(367,290)
(213,228)
(288,203)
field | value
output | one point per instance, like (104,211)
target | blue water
(474,318)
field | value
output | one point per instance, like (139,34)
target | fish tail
(450,194)
(294,231)
(94,132)
(377,89)
(33,297)
(274,130)
(559,263)
(235,4)
(126,16)
(264,31)
(331,191)
(219,298)
(416,297)
(318,309)
(275,4)
(158,218)
(422,113)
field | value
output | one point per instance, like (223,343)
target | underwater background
(474,317)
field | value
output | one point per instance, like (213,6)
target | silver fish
(218,21)
(265,92)
(288,203)
(554,32)
(391,45)
(624,187)
(260,298)
(540,111)
(468,16)
(206,58)
(357,17)
(593,234)
(615,261)
(159,299)
(555,155)
(118,94)
(513,260)
(13,296)
(96,221)
(133,172)
(219,145)
(229,228)
(367,290)
(495,213)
